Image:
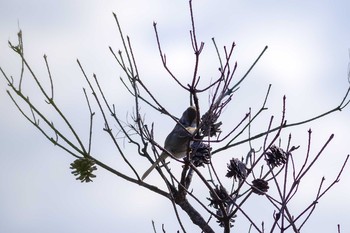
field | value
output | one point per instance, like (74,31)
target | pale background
(307,61)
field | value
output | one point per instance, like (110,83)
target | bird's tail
(149,170)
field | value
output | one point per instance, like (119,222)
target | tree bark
(194,215)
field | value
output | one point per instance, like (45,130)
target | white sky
(307,61)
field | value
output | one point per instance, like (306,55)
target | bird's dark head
(189,116)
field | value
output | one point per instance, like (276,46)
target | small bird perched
(177,141)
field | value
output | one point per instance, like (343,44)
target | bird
(178,139)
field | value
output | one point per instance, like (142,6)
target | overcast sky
(307,60)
